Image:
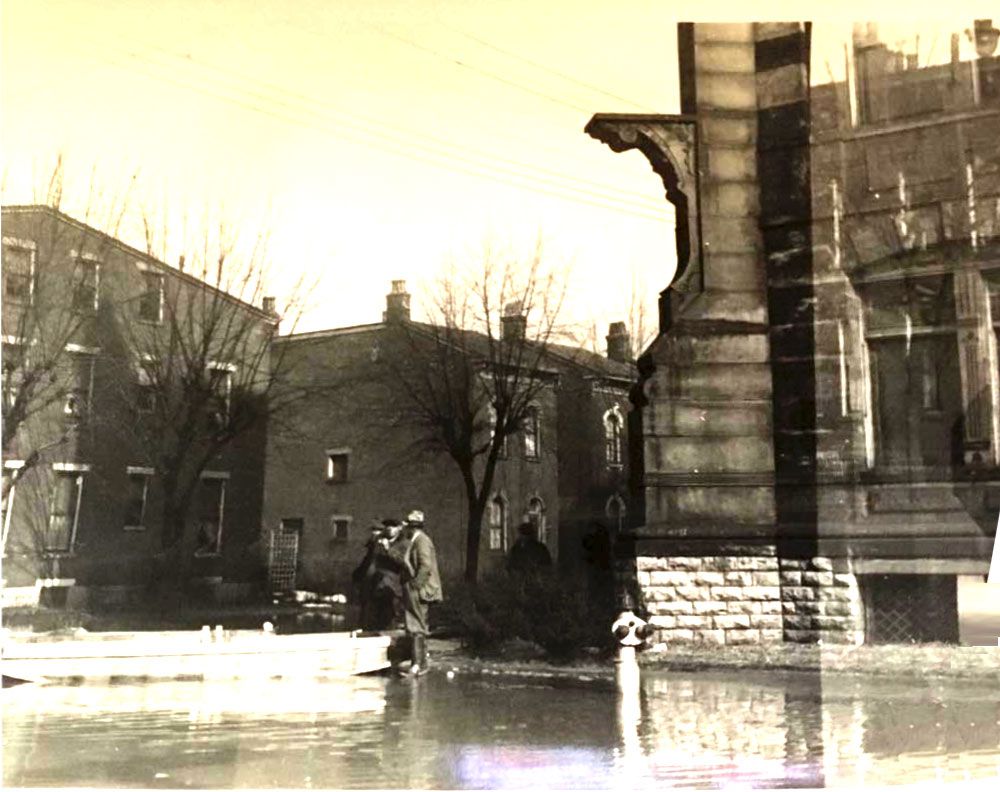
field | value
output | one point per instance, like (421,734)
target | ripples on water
(708,731)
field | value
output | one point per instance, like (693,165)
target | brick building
(819,412)
(83,511)
(346,458)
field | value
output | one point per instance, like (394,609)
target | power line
(405,149)
(543,67)
(432,144)
(434,147)
(477,69)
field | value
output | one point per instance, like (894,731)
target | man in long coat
(421,587)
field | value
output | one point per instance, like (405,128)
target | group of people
(398,580)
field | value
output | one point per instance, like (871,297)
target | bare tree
(472,375)
(48,313)
(201,377)
(641,328)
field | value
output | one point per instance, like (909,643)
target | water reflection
(707,731)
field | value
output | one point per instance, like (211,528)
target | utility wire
(450,162)
(434,147)
(372,126)
(477,69)
(543,67)
(406,136)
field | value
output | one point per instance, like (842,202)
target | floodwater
(704,730)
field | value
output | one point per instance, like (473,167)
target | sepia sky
(370,140)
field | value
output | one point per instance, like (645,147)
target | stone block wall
(720,600)
(748,599)
(820,604)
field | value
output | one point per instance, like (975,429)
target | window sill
(337,481)
(133,528)
(212,554)
(156,322)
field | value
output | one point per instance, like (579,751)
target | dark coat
(528,555)
(380,587)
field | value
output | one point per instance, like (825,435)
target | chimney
(513,323)
(180,263)
(985,37)
(269,304)
(619,343)
(397,303)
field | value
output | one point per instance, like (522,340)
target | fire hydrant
(631,632)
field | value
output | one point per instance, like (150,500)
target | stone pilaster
(705,560)
(978,367)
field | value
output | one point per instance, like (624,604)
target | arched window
(613,423)
(532,441)
(616,509)
(536,516)
(498,522)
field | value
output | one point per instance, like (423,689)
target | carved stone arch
(669,143)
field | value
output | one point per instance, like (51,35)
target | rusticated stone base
(748,599)
(712,599)
(820,605)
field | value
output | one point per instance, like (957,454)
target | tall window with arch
(532,443)
(536,516)
(613,426)
(616,510)
(498,523)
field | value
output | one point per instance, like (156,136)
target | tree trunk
(474,531)
(174,562)
(476,498)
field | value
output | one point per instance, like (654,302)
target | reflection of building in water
(855,733)
(820,413)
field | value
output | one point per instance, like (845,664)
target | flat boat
(208,654)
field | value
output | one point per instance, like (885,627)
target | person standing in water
(421,587)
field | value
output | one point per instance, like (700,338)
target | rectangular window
(151,299)
(18,272)
(145,390)
(136,498)
(80,389)
(211,510)
(64,511)
(531,438)
(220,384)
(340,527)
(337,465)
(86,285)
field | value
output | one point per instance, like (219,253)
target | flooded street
(705,730)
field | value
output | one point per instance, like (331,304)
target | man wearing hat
(422,586)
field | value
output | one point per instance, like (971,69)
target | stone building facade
(83,498)
(818,414)
(344,459)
